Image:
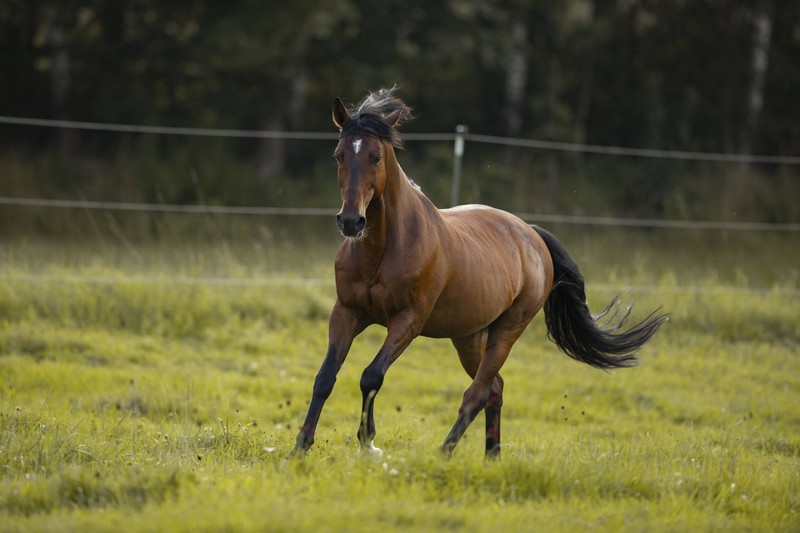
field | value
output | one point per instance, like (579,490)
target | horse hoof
(446,449)
(295,455)
(371,451)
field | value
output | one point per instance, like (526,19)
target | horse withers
(474,274)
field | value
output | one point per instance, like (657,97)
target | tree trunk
(594,34)
(271,153)
(759,61)
(550,127)
(59,74)
(516,82)
(516,78)
(275,154)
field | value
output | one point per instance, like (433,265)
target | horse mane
(369,116)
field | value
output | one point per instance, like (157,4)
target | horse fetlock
(492,452)
(304,441)
(301,447)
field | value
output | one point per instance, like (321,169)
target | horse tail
(576,331)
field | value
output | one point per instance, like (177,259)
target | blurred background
(702,85)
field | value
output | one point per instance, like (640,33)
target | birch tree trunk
(516,82)
(516,78)
(759,61)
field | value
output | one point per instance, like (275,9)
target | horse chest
(379,300)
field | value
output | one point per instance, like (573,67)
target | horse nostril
(351,224)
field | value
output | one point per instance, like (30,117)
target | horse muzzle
(351,224)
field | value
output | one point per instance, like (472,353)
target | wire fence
(471,137)
(328,282)
(168,208)
(458,137)
(321,211)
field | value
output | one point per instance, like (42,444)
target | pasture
(158,386)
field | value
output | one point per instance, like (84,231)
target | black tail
(573,328)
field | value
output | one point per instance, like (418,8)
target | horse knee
(371,380)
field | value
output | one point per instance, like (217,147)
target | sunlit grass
(132,401)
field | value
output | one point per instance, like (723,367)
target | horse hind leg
(471,352)
(475,399)
(486,390)
(493,407)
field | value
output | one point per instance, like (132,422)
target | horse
(473,274)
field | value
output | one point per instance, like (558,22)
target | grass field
(158,387)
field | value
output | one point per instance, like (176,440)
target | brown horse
(473,274)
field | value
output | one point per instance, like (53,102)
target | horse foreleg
(366,428)
(400,333)
(323,386)
(342,329)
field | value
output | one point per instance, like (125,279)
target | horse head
(366,135)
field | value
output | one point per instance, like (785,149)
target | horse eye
(376,159)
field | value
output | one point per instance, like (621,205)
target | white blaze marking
(357,145)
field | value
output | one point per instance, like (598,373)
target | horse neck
(392,217)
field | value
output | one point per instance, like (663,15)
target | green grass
(136,399)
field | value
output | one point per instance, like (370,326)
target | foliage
(671,75)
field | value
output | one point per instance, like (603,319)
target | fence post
(458,157)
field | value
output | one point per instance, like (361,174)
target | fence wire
(472,137)
(324,282)
(322,211)
(461,133)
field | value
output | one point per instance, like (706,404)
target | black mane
(368,117)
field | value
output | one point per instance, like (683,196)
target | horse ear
(340,114)
(394,117)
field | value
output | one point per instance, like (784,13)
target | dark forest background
(695,75)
